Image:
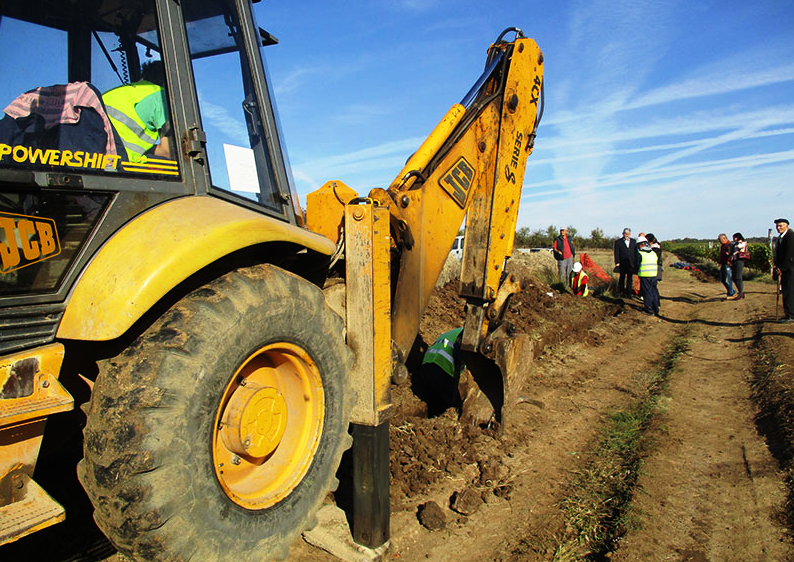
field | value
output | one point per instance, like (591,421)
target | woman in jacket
(739,254)
(657,249)
(726,273)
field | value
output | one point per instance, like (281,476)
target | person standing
(726,275)
(784,263)
(648,271)
(625,250)
(579,281)
(657,249)
(739,255)
(564,252)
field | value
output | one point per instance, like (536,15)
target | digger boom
(396,241)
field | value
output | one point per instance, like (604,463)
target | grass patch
(597,509)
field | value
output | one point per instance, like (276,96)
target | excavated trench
(428,449)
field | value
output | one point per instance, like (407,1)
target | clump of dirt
(425,450)
(431,515)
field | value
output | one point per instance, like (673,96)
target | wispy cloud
(574,156)
(357,113)
(370,164)
(294,80)
(639,176)
(222,119)
(692,123)
(709,85)
(415,5)
(699,205)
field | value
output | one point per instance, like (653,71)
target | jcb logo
(26,240)
(457,181)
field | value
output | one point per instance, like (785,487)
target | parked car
(457,247)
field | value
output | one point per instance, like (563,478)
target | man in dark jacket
(626,261)
(564,252)
(784,262)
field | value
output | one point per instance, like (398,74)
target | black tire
(152,439)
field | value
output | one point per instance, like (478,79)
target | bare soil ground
(715,483)
(716,477)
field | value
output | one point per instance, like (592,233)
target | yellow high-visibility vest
(577,280)
(649,264)
(120,104)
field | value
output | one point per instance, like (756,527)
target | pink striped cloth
(61,103)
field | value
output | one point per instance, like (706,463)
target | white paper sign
(241,166)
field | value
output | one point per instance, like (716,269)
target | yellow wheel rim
(268,426)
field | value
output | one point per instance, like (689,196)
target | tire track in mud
(711,490)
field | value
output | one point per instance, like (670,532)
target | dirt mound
(549,316)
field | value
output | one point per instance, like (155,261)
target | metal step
(35,511)
(49,397)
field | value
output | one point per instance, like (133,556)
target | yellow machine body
(158,250)
(141,263)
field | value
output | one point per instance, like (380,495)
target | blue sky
(672,117)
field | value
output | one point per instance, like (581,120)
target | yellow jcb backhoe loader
(180,298)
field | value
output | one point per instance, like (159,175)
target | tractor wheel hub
(254,421)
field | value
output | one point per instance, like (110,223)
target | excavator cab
(106,45)
(122,190)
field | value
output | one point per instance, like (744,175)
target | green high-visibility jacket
(442,352)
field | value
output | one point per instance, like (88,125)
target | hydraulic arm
(472,166)
(396,241)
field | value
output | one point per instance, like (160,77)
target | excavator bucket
(491,386)
(497,366)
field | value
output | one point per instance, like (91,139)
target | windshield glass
(95,102)
(238,153)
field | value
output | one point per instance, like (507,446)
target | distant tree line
(687,248)
(540,238)
(692,249)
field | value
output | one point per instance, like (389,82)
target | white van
(457,247)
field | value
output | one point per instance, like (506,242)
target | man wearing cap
(784,262)
(578,281)
(647,272)
(625,250)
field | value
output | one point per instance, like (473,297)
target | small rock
(432,517)
(466,501)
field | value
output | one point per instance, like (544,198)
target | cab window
(96,101)
(240,160)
